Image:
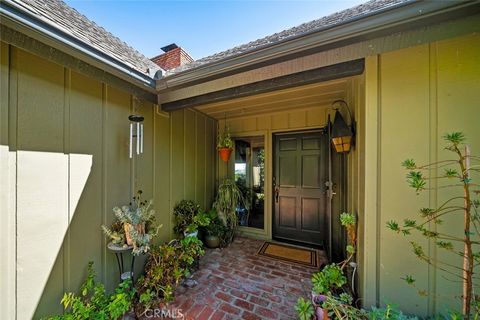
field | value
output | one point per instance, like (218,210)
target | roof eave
(18,18)
(392,19)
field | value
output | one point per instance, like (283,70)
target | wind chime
(136,134)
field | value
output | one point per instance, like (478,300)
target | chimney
(173,57)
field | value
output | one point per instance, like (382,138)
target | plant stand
(119,251)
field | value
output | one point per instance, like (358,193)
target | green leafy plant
(138,222)
(349,222)
(332,277)
(456,174)
(229,197)
(116,233)
(215,232)
(224,139)
(340,308)
(166,266)
(94,303)
(389,312)
(216,226)
(329,279)
(188,217)
(304,309)
(200,220)
(329,285)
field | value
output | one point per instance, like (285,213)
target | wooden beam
(293,100)
(336,71)
(317,89)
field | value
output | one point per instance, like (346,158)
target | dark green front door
(300,173)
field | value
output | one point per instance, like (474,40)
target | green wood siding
(417,95)
(64,139)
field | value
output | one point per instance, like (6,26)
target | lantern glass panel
(342,144)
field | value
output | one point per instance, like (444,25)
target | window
(250,178)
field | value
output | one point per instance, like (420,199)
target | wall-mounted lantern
(342,134)
(136,133)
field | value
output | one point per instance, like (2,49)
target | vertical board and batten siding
(64,166)
(354,169)
(193,158)
(422,93)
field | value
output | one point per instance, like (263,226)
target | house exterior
(409,72)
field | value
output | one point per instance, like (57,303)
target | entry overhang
(336,71)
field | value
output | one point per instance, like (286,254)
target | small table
(119,251)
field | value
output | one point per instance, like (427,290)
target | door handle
(277,193)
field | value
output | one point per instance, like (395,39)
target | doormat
(304,256)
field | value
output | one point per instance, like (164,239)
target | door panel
(288,144)
(286,206)
(288,177)
(311,213)
(311,143)
(300,172)
(310,172)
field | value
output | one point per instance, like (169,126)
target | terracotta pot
(128,229)
(225,153)
(320,313)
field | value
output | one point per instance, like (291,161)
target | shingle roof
(338,18)
(61,16)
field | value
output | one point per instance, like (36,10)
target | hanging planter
(224,144)
(225,153)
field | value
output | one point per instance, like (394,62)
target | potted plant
(199,220)
(330,295)
(327,282)
(229,197)
(224,144)
(214,231)
(138,223)
(188,217)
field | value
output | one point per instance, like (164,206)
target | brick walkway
(235,283)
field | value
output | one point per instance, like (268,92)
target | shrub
(166,266)
(94,303)
(456,174)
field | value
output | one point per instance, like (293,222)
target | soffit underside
(296,98)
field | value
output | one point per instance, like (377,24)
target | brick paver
(235,283)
